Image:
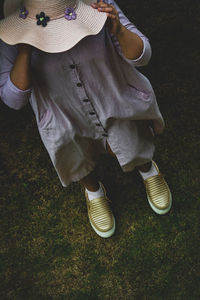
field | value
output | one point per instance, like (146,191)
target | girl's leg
(158,192)
(100,215)
(90,182)
(145,168)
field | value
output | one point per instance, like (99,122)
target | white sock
(153,171)
(97,194)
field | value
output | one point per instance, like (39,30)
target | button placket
(99,128)
(86,103)
(72,66)
(92,115)
(95,120)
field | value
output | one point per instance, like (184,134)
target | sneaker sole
(161,211)
(106,234)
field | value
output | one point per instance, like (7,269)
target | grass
(48,249)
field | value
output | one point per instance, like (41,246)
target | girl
(75,62)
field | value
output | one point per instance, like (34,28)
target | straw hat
(50,25)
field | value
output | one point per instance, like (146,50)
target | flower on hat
(23,12)
(70,14)
(42,19)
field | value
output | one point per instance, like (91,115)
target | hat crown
(52,8)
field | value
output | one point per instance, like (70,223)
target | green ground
(48,249)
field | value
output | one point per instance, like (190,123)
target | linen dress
(86,96)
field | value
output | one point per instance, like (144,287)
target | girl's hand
(113,22)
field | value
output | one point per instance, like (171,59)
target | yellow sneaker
(158,193)
(100,215)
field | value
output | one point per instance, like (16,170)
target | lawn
(48,250)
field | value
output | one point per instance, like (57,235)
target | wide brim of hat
(59,35)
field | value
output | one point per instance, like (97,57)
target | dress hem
(81,175)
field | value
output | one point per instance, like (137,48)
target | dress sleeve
(11,95)
(146,53)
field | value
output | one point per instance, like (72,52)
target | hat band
(69,14)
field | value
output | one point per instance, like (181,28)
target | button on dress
(86,96)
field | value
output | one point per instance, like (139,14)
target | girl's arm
(15,81)
(20,74)
(131,44)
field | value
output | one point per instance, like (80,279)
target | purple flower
(23,12)
(42,19)
(70,14)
